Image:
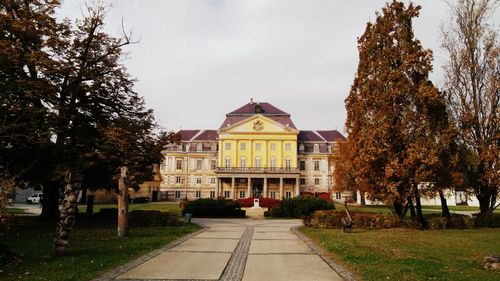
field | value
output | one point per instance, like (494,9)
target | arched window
(288,163)
(257,162)
(242,162)
(228,162)
(273,163)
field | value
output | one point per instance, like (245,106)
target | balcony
(256,170)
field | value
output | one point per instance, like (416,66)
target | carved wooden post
(67,219)
(122,204)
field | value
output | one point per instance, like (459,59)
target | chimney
(251,100)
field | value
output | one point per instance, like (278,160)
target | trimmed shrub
(140,217)
(153,218)
(492,221)
(300,206)
(214,208)
(333,219)
(139,200)
(263,202)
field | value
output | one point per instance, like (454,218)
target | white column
(217,187)
(281,188)
(232,187)
(297,188)
(249,188)
(265,187)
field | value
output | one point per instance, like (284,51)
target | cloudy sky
(198,60)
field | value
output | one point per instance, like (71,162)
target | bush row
(263,202)
(140,217)
(332,219)
(213,208)
(299,207)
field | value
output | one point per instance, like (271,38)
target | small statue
(347,222)
(67,219)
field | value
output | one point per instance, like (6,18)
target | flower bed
(263,202)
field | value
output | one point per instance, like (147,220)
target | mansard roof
(321,136)
(198,135)
(263,108)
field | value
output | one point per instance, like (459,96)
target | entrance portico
(244,183)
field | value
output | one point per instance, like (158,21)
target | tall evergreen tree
(392,110)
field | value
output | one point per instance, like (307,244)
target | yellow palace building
(256,152)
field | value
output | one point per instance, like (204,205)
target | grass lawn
(174,207)
(406,254)
(16,211)
(94,249)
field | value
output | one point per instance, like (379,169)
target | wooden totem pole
(122,204)
(67,219)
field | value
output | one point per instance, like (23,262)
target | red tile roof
(187,135)
(325,135)
(207,135)
(331,135)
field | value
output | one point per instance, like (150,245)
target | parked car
(35,198)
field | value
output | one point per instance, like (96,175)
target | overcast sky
(198,60)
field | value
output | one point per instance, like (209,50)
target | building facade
(256,152)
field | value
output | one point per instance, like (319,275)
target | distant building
(256,152)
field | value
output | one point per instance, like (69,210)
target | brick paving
(236,265)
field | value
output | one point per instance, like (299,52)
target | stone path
(235,249)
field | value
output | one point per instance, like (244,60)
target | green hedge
(332,219)
(139,217)
(300,206)
(214,208)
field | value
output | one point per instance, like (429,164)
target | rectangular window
(228,162)
(177,179)
(288,147)
(273,146)
(228,146)
(288,195)
(288,163)
(243,146)
(199,164)
(316,148)
(178,164)
(316,165)
(257,146)
(198,193)
(302,181)
(242,194)
(212,180)
(302,165)
(338,195)
(177,194)
(242,162)
(198,180)
(316,181)
(273,163)
(273,194)
(212,194)
(213,164)
(257,162)
(227,194)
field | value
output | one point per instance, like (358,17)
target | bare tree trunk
(413,215)
(90,205)
(420,215)
(122,205)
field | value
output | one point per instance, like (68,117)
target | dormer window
(258,108)
(199,147)
(316,148)
(301,147)
(329,148)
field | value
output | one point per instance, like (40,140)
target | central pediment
(258,124)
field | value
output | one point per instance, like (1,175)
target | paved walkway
(236,249)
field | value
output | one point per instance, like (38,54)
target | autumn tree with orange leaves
(396,118)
